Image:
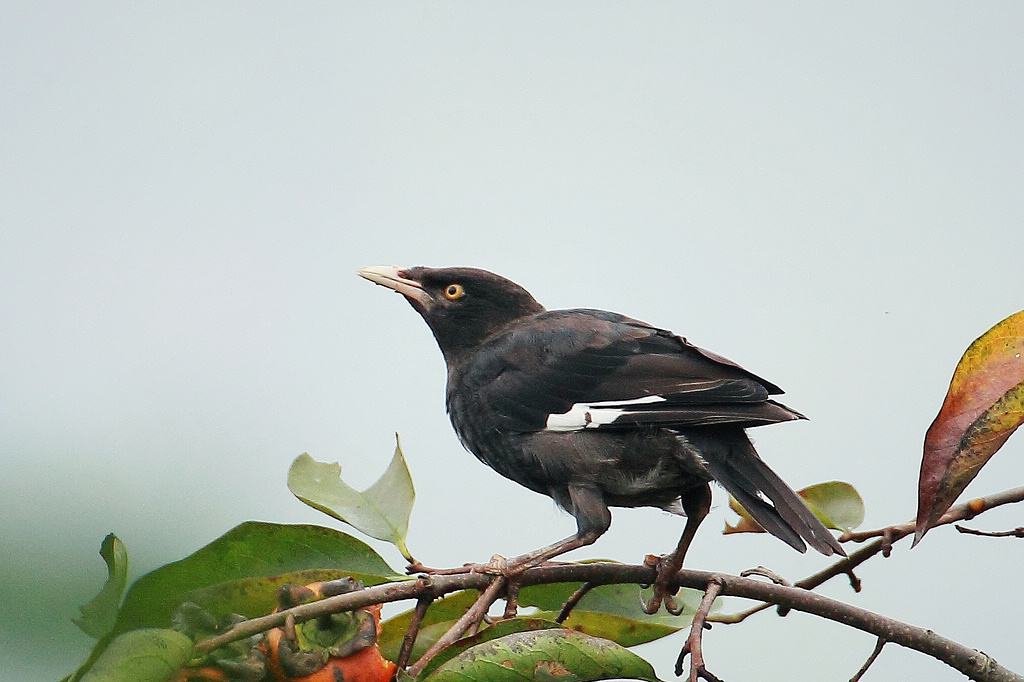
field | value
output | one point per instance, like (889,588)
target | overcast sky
(829,194)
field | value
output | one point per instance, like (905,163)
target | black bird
(599,410)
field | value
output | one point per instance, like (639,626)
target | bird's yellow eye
(454,292)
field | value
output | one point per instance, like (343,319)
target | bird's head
(462,306)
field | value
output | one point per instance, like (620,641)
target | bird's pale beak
(391,277)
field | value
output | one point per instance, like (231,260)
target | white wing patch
(593,415)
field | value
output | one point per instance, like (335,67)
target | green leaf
(257,596)
(562,655)
(441,615)
(250,550)
(619,629)
(381,511)
(611,611)
(499,629)
(836,504)
(149,655)
(99,614)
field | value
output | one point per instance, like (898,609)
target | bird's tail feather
(736,465)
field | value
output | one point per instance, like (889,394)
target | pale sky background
(829,194)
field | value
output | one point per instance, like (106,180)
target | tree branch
(409,640)
(573,600)
(694,641)
(472,616)
(886,537)
(974,664)
(871,659)
(960,512)
(1012,533)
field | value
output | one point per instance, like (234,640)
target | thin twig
(871,659)
(855,583)
(960,512)
(573,600)
(765,573)
(1014,533)
(511,600)
(409,640)
(842,567)
(474,627)
(472,616)
(693,646)
(739,616)
(889,537)
(886,537)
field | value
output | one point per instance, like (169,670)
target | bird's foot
(664,591)
(498,565)
(509,568)
(661,596)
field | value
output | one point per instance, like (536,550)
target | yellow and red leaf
(983,407)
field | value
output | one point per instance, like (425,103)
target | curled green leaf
(99,615)
(381,511)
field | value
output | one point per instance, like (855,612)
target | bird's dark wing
(586,369)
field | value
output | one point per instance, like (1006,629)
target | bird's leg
(539,556)
(696,504)
(592,519)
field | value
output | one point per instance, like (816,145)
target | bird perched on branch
(599,410)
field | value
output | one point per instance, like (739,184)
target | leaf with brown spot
(499,629)
(546,654)
(550,670)
(983,407)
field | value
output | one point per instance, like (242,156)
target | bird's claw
(498,565)
(663,593)
(650,606)
(674,607)
(653,605)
